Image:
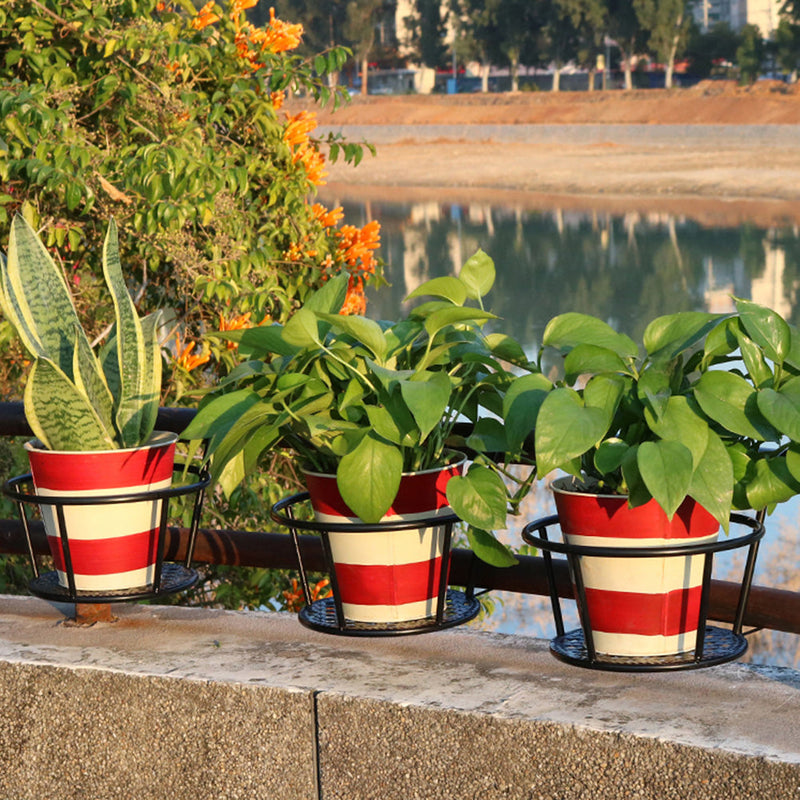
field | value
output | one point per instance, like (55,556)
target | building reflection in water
(625,269)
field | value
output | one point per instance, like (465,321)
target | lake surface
(626,269)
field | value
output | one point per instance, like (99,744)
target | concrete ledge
(187,703)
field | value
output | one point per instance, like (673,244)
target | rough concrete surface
(174,702)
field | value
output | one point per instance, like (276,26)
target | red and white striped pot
(388,576)
(637,606)
(112,546)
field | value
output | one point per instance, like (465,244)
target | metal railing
(776,609)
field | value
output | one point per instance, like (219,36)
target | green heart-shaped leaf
(666,469)
(369,477)
(479,497)
(566,429)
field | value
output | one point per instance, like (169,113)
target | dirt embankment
(709,102)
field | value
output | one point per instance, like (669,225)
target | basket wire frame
(167,577)
(453,607)
(713,645)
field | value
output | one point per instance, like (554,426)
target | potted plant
(92,415)
(373,411)
(661,442)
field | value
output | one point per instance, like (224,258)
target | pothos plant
(369,400)
(707,407)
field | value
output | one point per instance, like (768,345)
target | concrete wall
(181,703)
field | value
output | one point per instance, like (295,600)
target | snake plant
(76,399)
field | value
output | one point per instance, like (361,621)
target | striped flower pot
(637,606)
(112,546)
(388,576)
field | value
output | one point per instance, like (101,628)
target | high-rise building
(738,13)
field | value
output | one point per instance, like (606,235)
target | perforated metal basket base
(174,578)
(720,645)
(321,616)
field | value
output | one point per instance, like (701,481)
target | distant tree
(428,26)
(750,54)
(360,29)
(667,25)
(791,10)
(519,25)
(323,24)
(707,50)
(574,32)
(592,25)
(625,29)
(474,20)
(787,47)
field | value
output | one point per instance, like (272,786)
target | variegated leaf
(130,345)
(36,299)
(89,379)
(59,414)
(151,378)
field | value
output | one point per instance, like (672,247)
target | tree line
(547,33)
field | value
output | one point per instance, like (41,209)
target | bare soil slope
(709,102)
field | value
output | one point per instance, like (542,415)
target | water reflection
(625,269)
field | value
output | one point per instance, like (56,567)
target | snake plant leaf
(477,274)
(36,299)
(89,379)
(369,477)
(135,385)
(449,288)
(151,379)
(59,414)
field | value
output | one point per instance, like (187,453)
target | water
(626,269)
